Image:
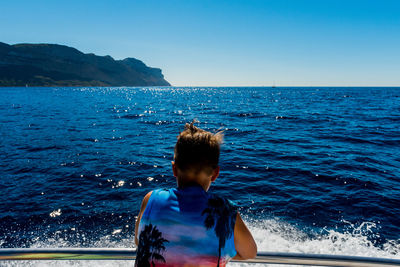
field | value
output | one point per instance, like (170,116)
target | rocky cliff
(59,65)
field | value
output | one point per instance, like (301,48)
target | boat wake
(271,235)
(278,236)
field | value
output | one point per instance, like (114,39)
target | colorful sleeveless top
(186,227)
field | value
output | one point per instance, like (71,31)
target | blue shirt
(187,225)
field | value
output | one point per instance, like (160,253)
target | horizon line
(277,86)
(216,86)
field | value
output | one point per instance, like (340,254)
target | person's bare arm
(142,208)
(245,245)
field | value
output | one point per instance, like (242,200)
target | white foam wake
(278,236)
(270,235)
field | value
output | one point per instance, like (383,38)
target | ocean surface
(313,170)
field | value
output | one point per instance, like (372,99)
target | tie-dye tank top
(186,227)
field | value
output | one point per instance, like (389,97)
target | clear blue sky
(217,43)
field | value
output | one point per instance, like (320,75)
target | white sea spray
(272,235)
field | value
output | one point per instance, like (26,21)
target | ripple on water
(308,156)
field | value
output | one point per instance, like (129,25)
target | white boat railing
(7,254)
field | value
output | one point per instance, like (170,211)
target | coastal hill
(60,65)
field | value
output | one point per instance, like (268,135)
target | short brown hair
(197,149)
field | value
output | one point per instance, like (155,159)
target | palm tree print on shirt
(220,215)
(151,246)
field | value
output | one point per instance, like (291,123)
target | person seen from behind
(187,225)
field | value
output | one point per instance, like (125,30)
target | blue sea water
(312,169)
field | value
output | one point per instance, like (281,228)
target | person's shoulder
(218,197)
(145,200)
(153,193)
(147,196)
(153,197)
(161,194)
(217,200)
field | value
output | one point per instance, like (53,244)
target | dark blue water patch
(132,116)
(250,114)
(313,157)
(41,148)
(348,139)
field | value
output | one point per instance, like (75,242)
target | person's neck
(183,183)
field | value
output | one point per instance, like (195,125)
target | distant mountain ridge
(60,65)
